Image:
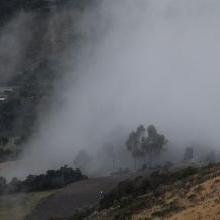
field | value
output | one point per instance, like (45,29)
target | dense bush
(53,179)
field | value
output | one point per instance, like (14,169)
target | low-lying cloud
(139,62)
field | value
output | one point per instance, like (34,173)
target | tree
(134,142)
(153,144)
(145,143)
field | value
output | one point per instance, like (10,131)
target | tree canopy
(145,143)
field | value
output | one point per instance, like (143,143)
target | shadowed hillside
(35,35)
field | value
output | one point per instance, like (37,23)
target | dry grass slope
(200,202)
(192,197)
(16,207)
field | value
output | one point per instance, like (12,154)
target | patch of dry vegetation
(194,201)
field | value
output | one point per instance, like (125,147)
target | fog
(140,62)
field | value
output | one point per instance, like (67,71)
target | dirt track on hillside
(77,195)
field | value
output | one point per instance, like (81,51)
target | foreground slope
(201,201)
(189,193)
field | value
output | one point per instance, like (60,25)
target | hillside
(76,196)
(199,201)
(18,206)
(18,198)
(190,193)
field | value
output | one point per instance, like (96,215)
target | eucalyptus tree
(134,143)
(145,144)
(153,144)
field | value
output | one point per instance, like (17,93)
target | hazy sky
(142,61)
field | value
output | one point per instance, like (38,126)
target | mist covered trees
(134,144)
(145,144)
(153,144)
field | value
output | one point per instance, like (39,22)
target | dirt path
(74,196)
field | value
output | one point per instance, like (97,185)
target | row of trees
(145,144)
(53,179)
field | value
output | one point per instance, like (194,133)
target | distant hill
(40,31)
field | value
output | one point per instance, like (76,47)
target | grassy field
(16,207)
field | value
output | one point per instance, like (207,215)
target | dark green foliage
(53,179)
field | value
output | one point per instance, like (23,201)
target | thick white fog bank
(157,63)
(148,62)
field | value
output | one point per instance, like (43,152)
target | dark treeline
(53,179)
